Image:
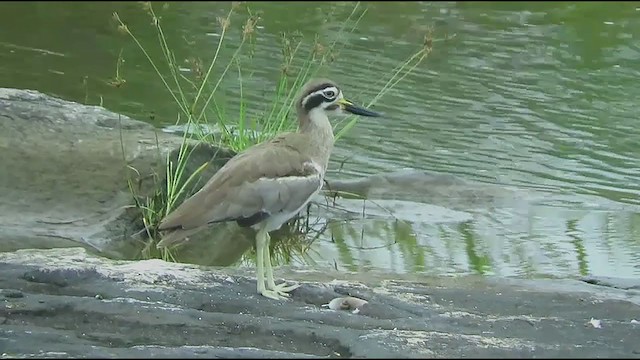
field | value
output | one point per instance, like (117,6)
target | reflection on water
(534,241)
(538,97)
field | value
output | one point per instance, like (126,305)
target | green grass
(198,102)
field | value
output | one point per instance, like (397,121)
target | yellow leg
(261,242)
(262,253)
(281,290)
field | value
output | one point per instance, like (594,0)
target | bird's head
(323,95)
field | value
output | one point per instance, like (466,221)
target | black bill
(357,110)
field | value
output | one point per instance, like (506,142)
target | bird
(269,183)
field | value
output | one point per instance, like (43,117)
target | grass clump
(200,105)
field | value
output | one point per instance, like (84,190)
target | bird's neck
(316,125)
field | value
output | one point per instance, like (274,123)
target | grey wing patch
(287,194)
(271,196)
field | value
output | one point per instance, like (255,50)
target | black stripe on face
(314,102)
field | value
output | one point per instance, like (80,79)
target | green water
(526,95)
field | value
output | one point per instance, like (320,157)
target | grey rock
(154,308)
(65,168)
(617,283)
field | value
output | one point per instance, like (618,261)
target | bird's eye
(329,94)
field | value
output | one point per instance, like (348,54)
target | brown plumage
(269,183)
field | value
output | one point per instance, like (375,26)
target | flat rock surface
(68,303)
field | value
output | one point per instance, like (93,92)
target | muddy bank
(68,303)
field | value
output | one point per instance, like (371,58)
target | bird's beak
(355,109)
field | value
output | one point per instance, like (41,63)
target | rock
(155,308)
(423,187)
(65,168)
(617,283)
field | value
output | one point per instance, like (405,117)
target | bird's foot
(275,295)
(280,291)
(284,287)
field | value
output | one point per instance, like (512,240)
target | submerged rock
(73,304)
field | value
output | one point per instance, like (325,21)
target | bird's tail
(176,236)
